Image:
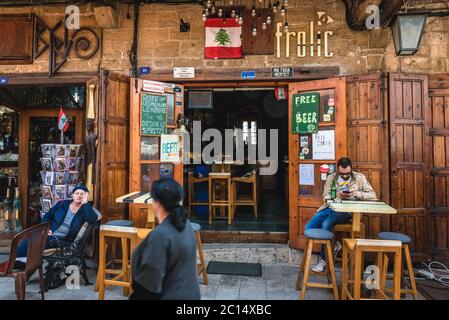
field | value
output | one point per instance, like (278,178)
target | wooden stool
(252,201)
(122,276)
(202,266)
(353,251)
(225,178)
(317,236)
(405,241)
(191,183)
(118,223)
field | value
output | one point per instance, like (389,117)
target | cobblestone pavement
(279,272)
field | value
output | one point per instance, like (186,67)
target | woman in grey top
(164,264)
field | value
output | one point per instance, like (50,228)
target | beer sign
(305,112)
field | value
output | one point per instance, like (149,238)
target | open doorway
(248,109)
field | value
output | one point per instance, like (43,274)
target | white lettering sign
(184,72)
(153,86)
(170,148)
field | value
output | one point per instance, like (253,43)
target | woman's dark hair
(170,193)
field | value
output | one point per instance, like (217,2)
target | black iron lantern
(408,29)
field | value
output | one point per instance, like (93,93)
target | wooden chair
(353,251)
(324,237)
(244,201)
(223,179)
(405,241)
(192,181)
(36,238)
(200,268)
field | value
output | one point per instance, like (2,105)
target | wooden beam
(44,79)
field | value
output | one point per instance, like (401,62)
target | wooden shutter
(410,156)
(16,39)
(113,164)
(367,113)
(439,171)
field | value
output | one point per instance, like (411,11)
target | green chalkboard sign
(153,114)
(305,112)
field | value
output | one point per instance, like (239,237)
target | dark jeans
(327,219)
(23,245)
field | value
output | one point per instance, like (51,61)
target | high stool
(353,251)
(405,241)
(118,223)
(317,236)
(221,178)
(202,266)
(347,228)
(192,180)
(252,201)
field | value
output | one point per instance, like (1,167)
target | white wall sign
(153,86)
(323,145)
(306,174)
(170,148)
(184,72)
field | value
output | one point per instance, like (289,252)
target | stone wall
(162,46)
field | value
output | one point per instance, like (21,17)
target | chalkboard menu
(153,114)
(305,112)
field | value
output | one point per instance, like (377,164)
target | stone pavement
(279,272)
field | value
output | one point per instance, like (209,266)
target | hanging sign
(184,72)
(305,112)
(170,148)
(153,86)
(323,145)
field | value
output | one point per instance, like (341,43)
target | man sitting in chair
(67,218)
(350,186)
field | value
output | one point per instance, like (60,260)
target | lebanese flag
(63,122)
(223,39)
(281,93)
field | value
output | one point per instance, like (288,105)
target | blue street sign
(3,80)
(248,74)
(144,70)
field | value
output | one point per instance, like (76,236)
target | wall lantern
(408,29)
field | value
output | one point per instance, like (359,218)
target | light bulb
(268,20)
(233,13)
(237,18)
(275,9)
(207,12)
(220,12)
(208,4)
(286,3)
(282,11)
(204,17)
(240,21)
(260,1)
(254,33)
(213,10)
(264,26)
(253,12)
(286,26)
(231,2)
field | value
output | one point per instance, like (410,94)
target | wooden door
(76,118)
(438,229)
(113,134)
(304,200)
(367,111)
(145,166)
(410,157)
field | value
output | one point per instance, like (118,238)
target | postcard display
(60,173)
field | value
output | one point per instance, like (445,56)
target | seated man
(66,217)
(350,186)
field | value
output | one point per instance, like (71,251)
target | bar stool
(202,266)
(353,251)
(252,201)
(225,179)
(113,245)
(192,180)
(405,241)
(324,237)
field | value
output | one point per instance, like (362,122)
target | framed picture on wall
(149,148)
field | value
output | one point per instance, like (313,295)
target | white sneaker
(320,266)
(337,248)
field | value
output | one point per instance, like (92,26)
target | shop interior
(248,109)
(38,106)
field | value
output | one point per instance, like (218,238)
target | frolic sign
(312,42)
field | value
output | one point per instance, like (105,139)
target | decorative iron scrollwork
(84,42)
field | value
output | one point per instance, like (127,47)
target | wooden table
(140,197)
(122,277)
(356,208)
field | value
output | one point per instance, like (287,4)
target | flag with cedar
(223,39)
(63,122)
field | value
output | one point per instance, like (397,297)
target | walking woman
(164,264)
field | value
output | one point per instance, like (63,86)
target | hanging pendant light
(237,18)
(240,21)
(282,11)
(233,13)
(286,3)
(208,4)
(268,20)
(220,12)
(253,12)
(204,16)
(213,10)
(286,26)
(231,2)
(207,12)
(254,32)
(264,26)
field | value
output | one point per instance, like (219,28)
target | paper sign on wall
(323,145)
(306,174)
(170,148)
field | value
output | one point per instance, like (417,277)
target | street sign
(3,81)
(282,72)
(248,74)
(144,70)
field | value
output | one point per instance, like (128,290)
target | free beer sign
(305,112)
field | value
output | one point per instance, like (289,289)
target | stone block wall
(162,46)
